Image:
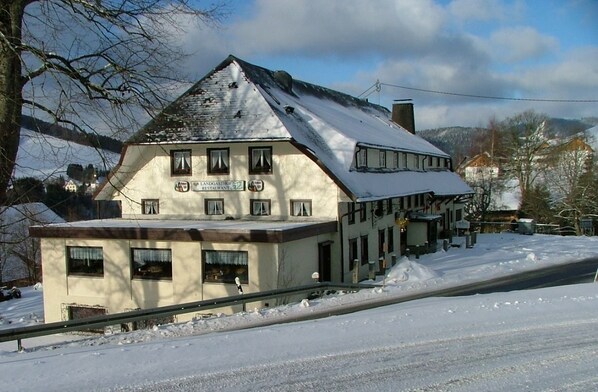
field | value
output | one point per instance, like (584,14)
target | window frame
(157,274)
(228,277)
(303,203)
(363,211)
(266,202)
(217,171)
(186,158)
(353,253)
(364,251)
(381,242)
(361,158)
(148,204)
(351,207)
(382,159)
(207,206)
(253,168)
(69,259)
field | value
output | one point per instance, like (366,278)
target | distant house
(71,186)
(481,166)
(253,175)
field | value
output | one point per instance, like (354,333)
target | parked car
(6,293)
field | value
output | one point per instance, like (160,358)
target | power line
(485,96)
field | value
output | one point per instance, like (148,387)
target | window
(361,158)
(382,158)
(218,161)
(405,163)
(416,161)
(150,206)
(224,266)
(351,213)
(381,246)
(364,250)
(85,260)
(180,162)
(301,207)
(363,212)
(352,253)
(391,239)
(260,160)
(260,207)
(152,263)
(214,206)
(389,206)
(395,160)
(379,211)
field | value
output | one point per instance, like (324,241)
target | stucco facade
(253,176)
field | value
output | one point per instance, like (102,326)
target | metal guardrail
(164,311)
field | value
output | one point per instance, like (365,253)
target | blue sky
(544,49)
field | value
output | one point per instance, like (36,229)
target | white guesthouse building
(254,175)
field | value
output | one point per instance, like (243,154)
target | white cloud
(515,44)
(340,28)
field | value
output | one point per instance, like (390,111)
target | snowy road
(561,354)
(536,340)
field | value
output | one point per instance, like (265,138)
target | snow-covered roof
(239,101)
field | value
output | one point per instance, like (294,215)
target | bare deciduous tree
(571,180)
(526,136)
(86,62)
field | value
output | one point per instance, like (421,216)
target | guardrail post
(19,345)
(596,276)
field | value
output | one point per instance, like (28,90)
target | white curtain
(219,159)
(80,253)
(143,256)
(301,208)
(181,160)
(225,257)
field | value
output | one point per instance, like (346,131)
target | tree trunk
(11,87)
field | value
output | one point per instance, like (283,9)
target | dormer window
(395,160)
(382,158)
(361,158)
(180,162)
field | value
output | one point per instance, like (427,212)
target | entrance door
(325,261)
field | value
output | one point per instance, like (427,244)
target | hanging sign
(216,185)
(255,185)
(181,186)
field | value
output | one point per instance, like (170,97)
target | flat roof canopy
(186,230)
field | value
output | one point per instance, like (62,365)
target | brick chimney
(402,114)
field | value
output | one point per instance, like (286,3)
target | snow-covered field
(535,340)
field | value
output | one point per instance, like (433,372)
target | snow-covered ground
(533,340)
